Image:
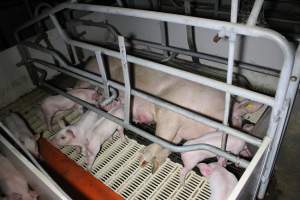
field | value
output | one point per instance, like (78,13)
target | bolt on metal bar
(126,78)
(102,72)
(241,162)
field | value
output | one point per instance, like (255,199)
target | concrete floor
(285,184)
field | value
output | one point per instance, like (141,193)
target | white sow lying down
(20,130)
(89,133)
(221,181)
(12,183)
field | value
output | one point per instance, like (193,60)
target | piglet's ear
(70,133)
(205,169)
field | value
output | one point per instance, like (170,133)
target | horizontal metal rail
(226,28)
(192,115)
(241,162)
(192,21)
(213,58)
(255,96)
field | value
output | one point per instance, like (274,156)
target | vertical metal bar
(231,55)
(190,30)
(126,79)
(291,95)
(163,28)
(120,3)
(29,67)
(64,36)
(216,8)
(102,72)
(234,11)
(75,54)
(255,12)
(164,36)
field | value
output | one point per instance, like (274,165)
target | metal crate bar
(231,54)
(242,162)
(195,116)
(227,29)
(172,71)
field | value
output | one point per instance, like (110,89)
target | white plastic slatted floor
(117,163)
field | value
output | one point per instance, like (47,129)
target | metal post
(74,52)
(190,30)
(255,12)
(216,7)
(102,72)
(231,55)
(126,79)
(291,95)
(164,36)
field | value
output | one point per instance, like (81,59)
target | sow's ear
(249,106)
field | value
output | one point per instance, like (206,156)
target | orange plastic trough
(90,187)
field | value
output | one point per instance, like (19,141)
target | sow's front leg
(167,125)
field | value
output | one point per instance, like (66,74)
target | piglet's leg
(183,174)
(120,131)
(166,128)
(164,154)
(92,149)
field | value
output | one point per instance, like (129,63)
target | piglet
(221,181)
(12,183)
(75,134)
(53,104)
(191,158)
(103,130)
(20,130)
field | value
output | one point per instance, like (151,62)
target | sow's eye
(63,137)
